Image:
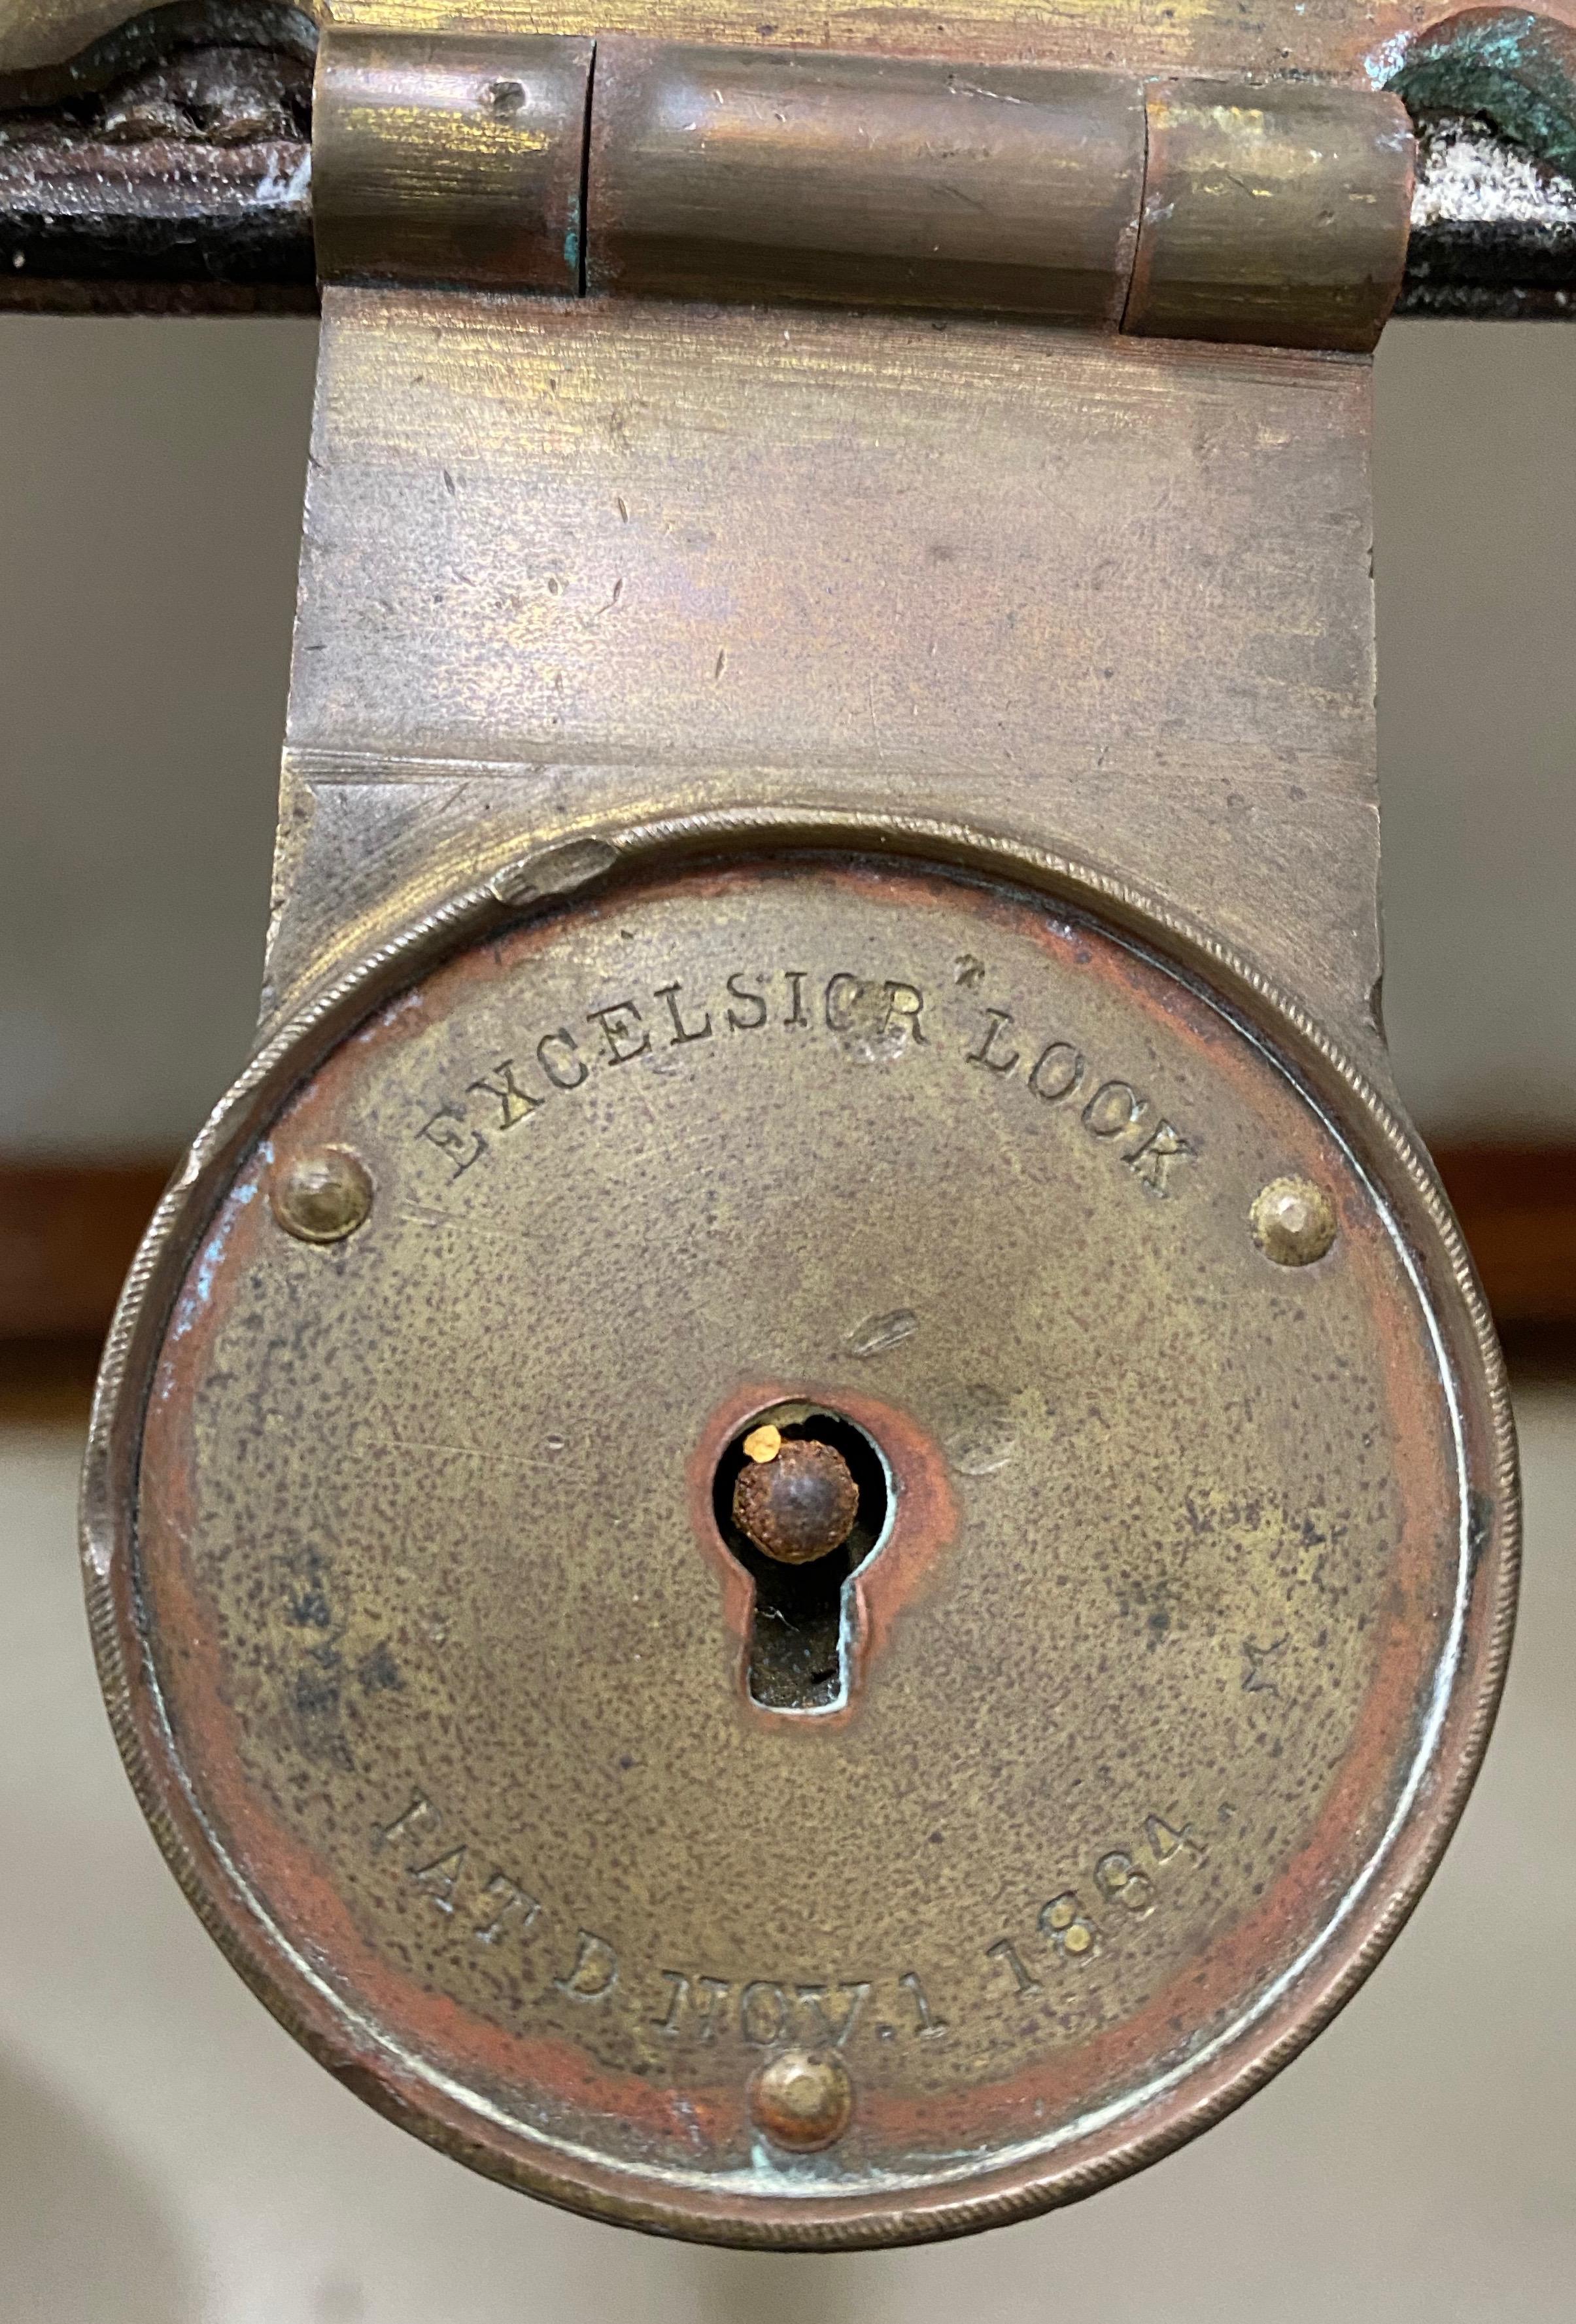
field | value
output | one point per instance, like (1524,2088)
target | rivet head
(321,1195)
(796,1502)
(802,2099)
(1294,1221)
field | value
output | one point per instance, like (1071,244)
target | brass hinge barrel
(1273,215)
(450,158)
(865,179)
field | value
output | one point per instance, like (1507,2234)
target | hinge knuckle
(450,158)
(1272,215)
(867,179)
(1275,214)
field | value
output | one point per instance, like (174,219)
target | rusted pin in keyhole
(794,1498)
(802,1497)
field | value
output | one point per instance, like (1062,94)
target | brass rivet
(1294,1221)
(799,1504)
(802,2099)
(321,1195)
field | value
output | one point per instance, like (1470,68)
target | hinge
(1270,214)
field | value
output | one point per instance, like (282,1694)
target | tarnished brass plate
(1156,1694)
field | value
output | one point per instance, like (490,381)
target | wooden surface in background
(67,1235)
(1517,1209)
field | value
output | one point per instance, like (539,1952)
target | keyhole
(775,1505)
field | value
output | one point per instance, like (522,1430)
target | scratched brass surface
(868,181)
(1160,1694)
(565,559)
(1281,217)
(455,161)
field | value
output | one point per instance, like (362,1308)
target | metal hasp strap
(1203,210)
(754,532)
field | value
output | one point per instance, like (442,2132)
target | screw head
(797,1503)
(321,1195)
(802,2099)
(1294,1221)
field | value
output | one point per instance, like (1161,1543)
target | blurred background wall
(151,482)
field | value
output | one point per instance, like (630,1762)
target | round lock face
(802,1556)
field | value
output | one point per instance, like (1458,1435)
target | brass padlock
(802,1522)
